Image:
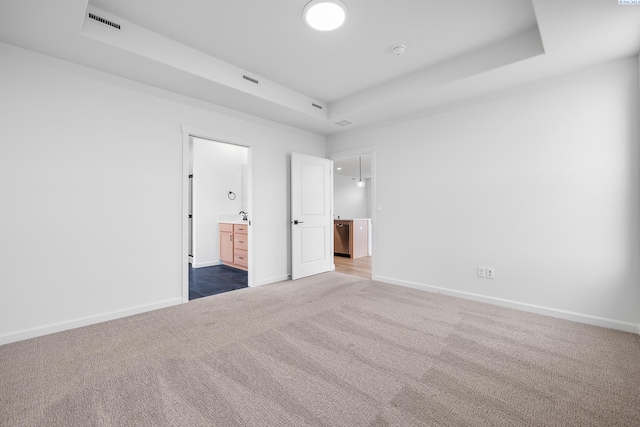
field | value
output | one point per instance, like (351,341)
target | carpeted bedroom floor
(329,350)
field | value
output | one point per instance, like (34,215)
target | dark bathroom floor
(207,281)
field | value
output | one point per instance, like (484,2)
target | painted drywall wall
(540,183)
(217,170)
(349,201)
(245,188)
(91,165)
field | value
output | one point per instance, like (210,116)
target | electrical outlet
(482,272)
(491,274)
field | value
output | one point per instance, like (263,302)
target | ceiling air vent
(343,123)
(104,21)
(250,79)
(316,105)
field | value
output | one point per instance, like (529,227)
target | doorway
(217,204)
(353,207)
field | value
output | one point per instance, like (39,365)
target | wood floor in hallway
(356,267)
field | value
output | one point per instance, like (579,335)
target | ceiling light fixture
(360,183)
(325,15)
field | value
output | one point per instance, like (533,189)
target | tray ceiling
(456,51)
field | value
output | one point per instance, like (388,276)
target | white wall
(540,184)
(245,188)
(91,166)
(349,200)
(217,170)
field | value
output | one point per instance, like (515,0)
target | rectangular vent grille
(344,123)
(316,105)
(104,21)
(250,79)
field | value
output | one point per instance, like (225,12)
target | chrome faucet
(244,215)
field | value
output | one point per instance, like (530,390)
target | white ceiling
(456,50)
(270,39)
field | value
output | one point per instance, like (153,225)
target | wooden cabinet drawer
(240,228)
(224,227)
(240,241)
(240,257)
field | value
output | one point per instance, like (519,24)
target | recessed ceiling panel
(269,38)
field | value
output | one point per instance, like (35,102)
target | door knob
(296,222)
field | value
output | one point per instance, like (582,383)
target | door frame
(355,152)
(214,136)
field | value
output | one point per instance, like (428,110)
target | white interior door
(311,215)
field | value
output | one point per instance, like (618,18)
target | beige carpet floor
(330,350)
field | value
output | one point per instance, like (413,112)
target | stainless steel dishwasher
(341,236)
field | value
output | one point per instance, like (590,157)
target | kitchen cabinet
(351,237)
(234,249)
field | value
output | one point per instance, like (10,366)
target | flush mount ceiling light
(325,15)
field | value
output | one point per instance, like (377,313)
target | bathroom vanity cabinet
(234,244)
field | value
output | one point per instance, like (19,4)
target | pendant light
(360,183)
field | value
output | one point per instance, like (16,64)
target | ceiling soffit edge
(140,41)
(157,48)
(525,45)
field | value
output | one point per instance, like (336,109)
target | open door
(311,215)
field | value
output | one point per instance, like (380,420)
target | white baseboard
(206,264)
(547,311)
(270,280)
(83,321)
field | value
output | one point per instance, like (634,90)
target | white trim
(185,218)
(361,151)
(215,136)
(250,250)
(270,280)
(84,321)
(206,264)
(547,311)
